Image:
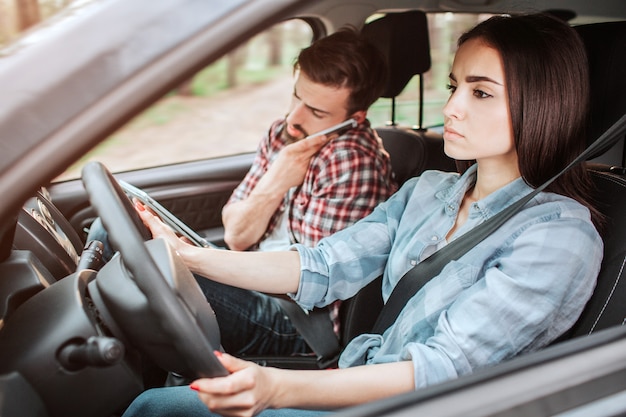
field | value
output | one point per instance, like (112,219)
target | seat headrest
(403,39)
(605,44)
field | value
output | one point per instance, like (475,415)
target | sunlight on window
(225,109)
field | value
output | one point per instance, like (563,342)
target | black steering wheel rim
(127,233)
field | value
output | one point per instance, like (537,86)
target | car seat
(412,150)
(607,67)
(605,44)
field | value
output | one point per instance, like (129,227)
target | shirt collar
(490,205)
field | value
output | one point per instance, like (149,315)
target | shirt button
(434,238)
(413,262)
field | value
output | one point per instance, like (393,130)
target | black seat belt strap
(316,329)
(420,274)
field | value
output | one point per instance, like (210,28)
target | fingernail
(194,387)
(140,207)
(217,353)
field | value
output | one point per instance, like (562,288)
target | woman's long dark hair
(546,71)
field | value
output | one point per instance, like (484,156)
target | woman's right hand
(160,229)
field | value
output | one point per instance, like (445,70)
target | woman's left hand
(247,391)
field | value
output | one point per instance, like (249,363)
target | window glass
(223,110)
(227,107)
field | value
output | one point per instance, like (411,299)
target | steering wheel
(169,298)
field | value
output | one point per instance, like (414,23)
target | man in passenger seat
(301,190)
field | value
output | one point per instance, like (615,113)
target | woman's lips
(451,134)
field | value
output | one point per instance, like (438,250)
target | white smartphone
(336,128)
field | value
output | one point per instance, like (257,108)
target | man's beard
(291,139)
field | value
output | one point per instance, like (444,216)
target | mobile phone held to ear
(350,123)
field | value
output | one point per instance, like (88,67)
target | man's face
(314,107)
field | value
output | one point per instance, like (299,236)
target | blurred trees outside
(272,52)
(18,15)
(266,58)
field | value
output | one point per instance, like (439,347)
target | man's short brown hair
(346,59)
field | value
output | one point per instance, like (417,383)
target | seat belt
(316,329)
(414,279)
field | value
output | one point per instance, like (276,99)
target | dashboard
(44,231)
(44,249)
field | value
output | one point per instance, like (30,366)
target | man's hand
(292,163)
(246,220)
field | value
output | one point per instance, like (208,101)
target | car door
(195,192)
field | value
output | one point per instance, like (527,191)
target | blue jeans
(251,323)
(184,402)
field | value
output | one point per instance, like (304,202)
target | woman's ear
(359,116)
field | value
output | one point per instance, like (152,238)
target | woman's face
(477,123)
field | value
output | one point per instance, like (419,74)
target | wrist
(188,254)
(278,387)
(270,195)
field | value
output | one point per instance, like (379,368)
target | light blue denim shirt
(515,292)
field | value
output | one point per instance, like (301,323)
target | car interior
(46,247)
(603,42)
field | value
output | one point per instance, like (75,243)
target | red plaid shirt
(346,179)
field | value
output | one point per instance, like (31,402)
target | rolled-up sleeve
(341,264)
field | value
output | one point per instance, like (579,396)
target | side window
(223,110)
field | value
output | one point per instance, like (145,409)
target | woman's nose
(453,107)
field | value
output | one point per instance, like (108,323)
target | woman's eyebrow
(476,79)
(479,78)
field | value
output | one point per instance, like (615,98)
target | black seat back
(605,44)
(607,306)
(606,52)
(607,66)
(412,151)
